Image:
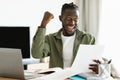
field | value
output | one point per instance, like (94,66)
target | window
(110,30)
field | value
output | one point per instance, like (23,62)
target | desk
(42,66)
(1,78)
(73,78)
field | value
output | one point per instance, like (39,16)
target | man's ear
(60,18)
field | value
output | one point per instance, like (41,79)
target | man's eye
(74,19)
(68,19)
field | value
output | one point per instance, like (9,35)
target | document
(84,57)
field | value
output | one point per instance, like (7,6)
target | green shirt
(51,45)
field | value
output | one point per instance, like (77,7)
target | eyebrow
(72,16)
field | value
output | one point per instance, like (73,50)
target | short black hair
(68,6)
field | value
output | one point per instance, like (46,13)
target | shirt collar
(78,34)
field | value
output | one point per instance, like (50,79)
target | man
(61,46)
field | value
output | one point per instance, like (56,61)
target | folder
(76,77)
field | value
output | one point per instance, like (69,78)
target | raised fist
(47,17)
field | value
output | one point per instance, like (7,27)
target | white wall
(30,13)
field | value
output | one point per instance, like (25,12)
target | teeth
(70,28)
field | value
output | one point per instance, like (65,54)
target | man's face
(69,21)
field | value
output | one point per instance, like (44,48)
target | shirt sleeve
(40,45)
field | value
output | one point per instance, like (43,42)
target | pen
(109,61)
(99,61)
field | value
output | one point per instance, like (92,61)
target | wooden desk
(1,78)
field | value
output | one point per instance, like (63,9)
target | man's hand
(47,17)
(94,67)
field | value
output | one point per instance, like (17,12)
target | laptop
(11,65)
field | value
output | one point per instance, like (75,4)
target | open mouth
(70,28)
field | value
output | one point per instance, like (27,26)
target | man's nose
(72,21)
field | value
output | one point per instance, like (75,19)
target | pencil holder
(104,70)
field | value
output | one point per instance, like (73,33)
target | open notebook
(11,64)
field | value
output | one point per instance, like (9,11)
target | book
(87,76)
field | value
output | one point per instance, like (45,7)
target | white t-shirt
(68,43)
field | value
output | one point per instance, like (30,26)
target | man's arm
(40,46)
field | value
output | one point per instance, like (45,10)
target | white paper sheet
(85,56)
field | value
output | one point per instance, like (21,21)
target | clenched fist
(47,17)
